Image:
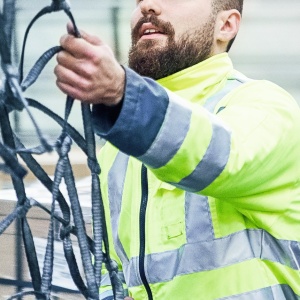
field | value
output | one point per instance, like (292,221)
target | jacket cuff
(140,116)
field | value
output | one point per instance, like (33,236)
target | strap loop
(65,231)
(58,5)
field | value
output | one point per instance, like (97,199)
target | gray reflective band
(105,279)
(116,178)
(212,102)
(210,255)
(171,134)
(198,222)
(212,163)
(277,292)
(107,295)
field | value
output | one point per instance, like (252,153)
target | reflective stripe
(116,178)
(171,134)
(210,255)
(212,102)
(278,292)
(212,163)
(105,279)
(198,222)
(107,295)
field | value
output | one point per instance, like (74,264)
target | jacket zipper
(143,208)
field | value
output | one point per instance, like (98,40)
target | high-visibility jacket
(201,183)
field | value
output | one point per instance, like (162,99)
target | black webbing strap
(11,98)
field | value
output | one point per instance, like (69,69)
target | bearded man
(200,172)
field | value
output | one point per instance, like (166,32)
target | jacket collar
(202,80)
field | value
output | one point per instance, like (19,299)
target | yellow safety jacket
(202,198)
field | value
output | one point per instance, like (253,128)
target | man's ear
(227,25)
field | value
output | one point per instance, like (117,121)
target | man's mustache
(164,27)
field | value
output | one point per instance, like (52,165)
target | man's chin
(145,44)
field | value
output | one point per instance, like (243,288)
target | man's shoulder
(263,91)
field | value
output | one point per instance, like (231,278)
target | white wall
(268,45)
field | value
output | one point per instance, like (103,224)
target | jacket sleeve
(218,155)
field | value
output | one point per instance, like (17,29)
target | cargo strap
(12,98)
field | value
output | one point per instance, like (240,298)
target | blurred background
(267,47)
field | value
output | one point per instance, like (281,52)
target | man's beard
(156,62)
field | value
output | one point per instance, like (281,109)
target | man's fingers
(92,39)
(80,47)
(71,83)
(78,66)
(70,28)
(65,75)
(72,91)
(76,47)
(65,59)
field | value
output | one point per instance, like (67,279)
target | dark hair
(220,5)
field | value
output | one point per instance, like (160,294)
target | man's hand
(128,298)
(88,71)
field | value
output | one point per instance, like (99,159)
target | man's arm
(182,143)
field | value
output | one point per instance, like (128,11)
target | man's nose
(150,7)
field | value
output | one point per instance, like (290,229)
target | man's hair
(220,5)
